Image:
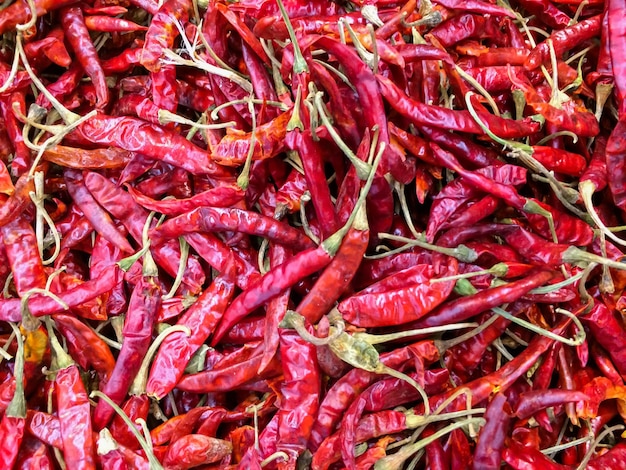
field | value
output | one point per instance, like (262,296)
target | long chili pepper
(215,219)
(531,402)
(150,140)
(466,307)
(221,196)
(435,116)
(337,276)
(564,40)
(300,394)
(176,350)
(599,320)
(73,407)
(13,422)
(137,334)
(108,24)
(77,35)
(96,215)
(313,165)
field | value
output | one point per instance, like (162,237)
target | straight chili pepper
(73,407)
(13,422)
(137,333)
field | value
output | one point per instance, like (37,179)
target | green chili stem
(461,252)
(299,64)
(379,339)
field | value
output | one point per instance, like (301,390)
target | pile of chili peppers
(312,234)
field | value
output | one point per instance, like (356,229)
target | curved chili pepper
(176,350)
(436,116)
(93,212)
(213,219)
(20,243)
(564,40)
(19,13)
(221,196)
(77,35)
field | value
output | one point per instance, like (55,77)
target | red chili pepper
(13,422)
(107,24)
(152,141)
(19,12)
(564,40)
(300,394)
(78,37)
(436,116)
(72,405)
(522,457)
(122,206)
(137,334)
(547,12)
(90,348)
(176,350)
(491,439)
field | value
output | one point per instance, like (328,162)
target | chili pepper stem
(379,339)
(587,188)
(61,359)
(596,441)
(362,168)
(461,252)
(497,270)
(17,405)
(574,255)
(443,346)
(299,64)
(154,463)
(244,178)
(294,320)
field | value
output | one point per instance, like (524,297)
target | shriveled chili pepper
(13,422)
(137,333)
(108,24)
(77,35)
(492,436)
(564,40)
(72,406)
(176,350)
